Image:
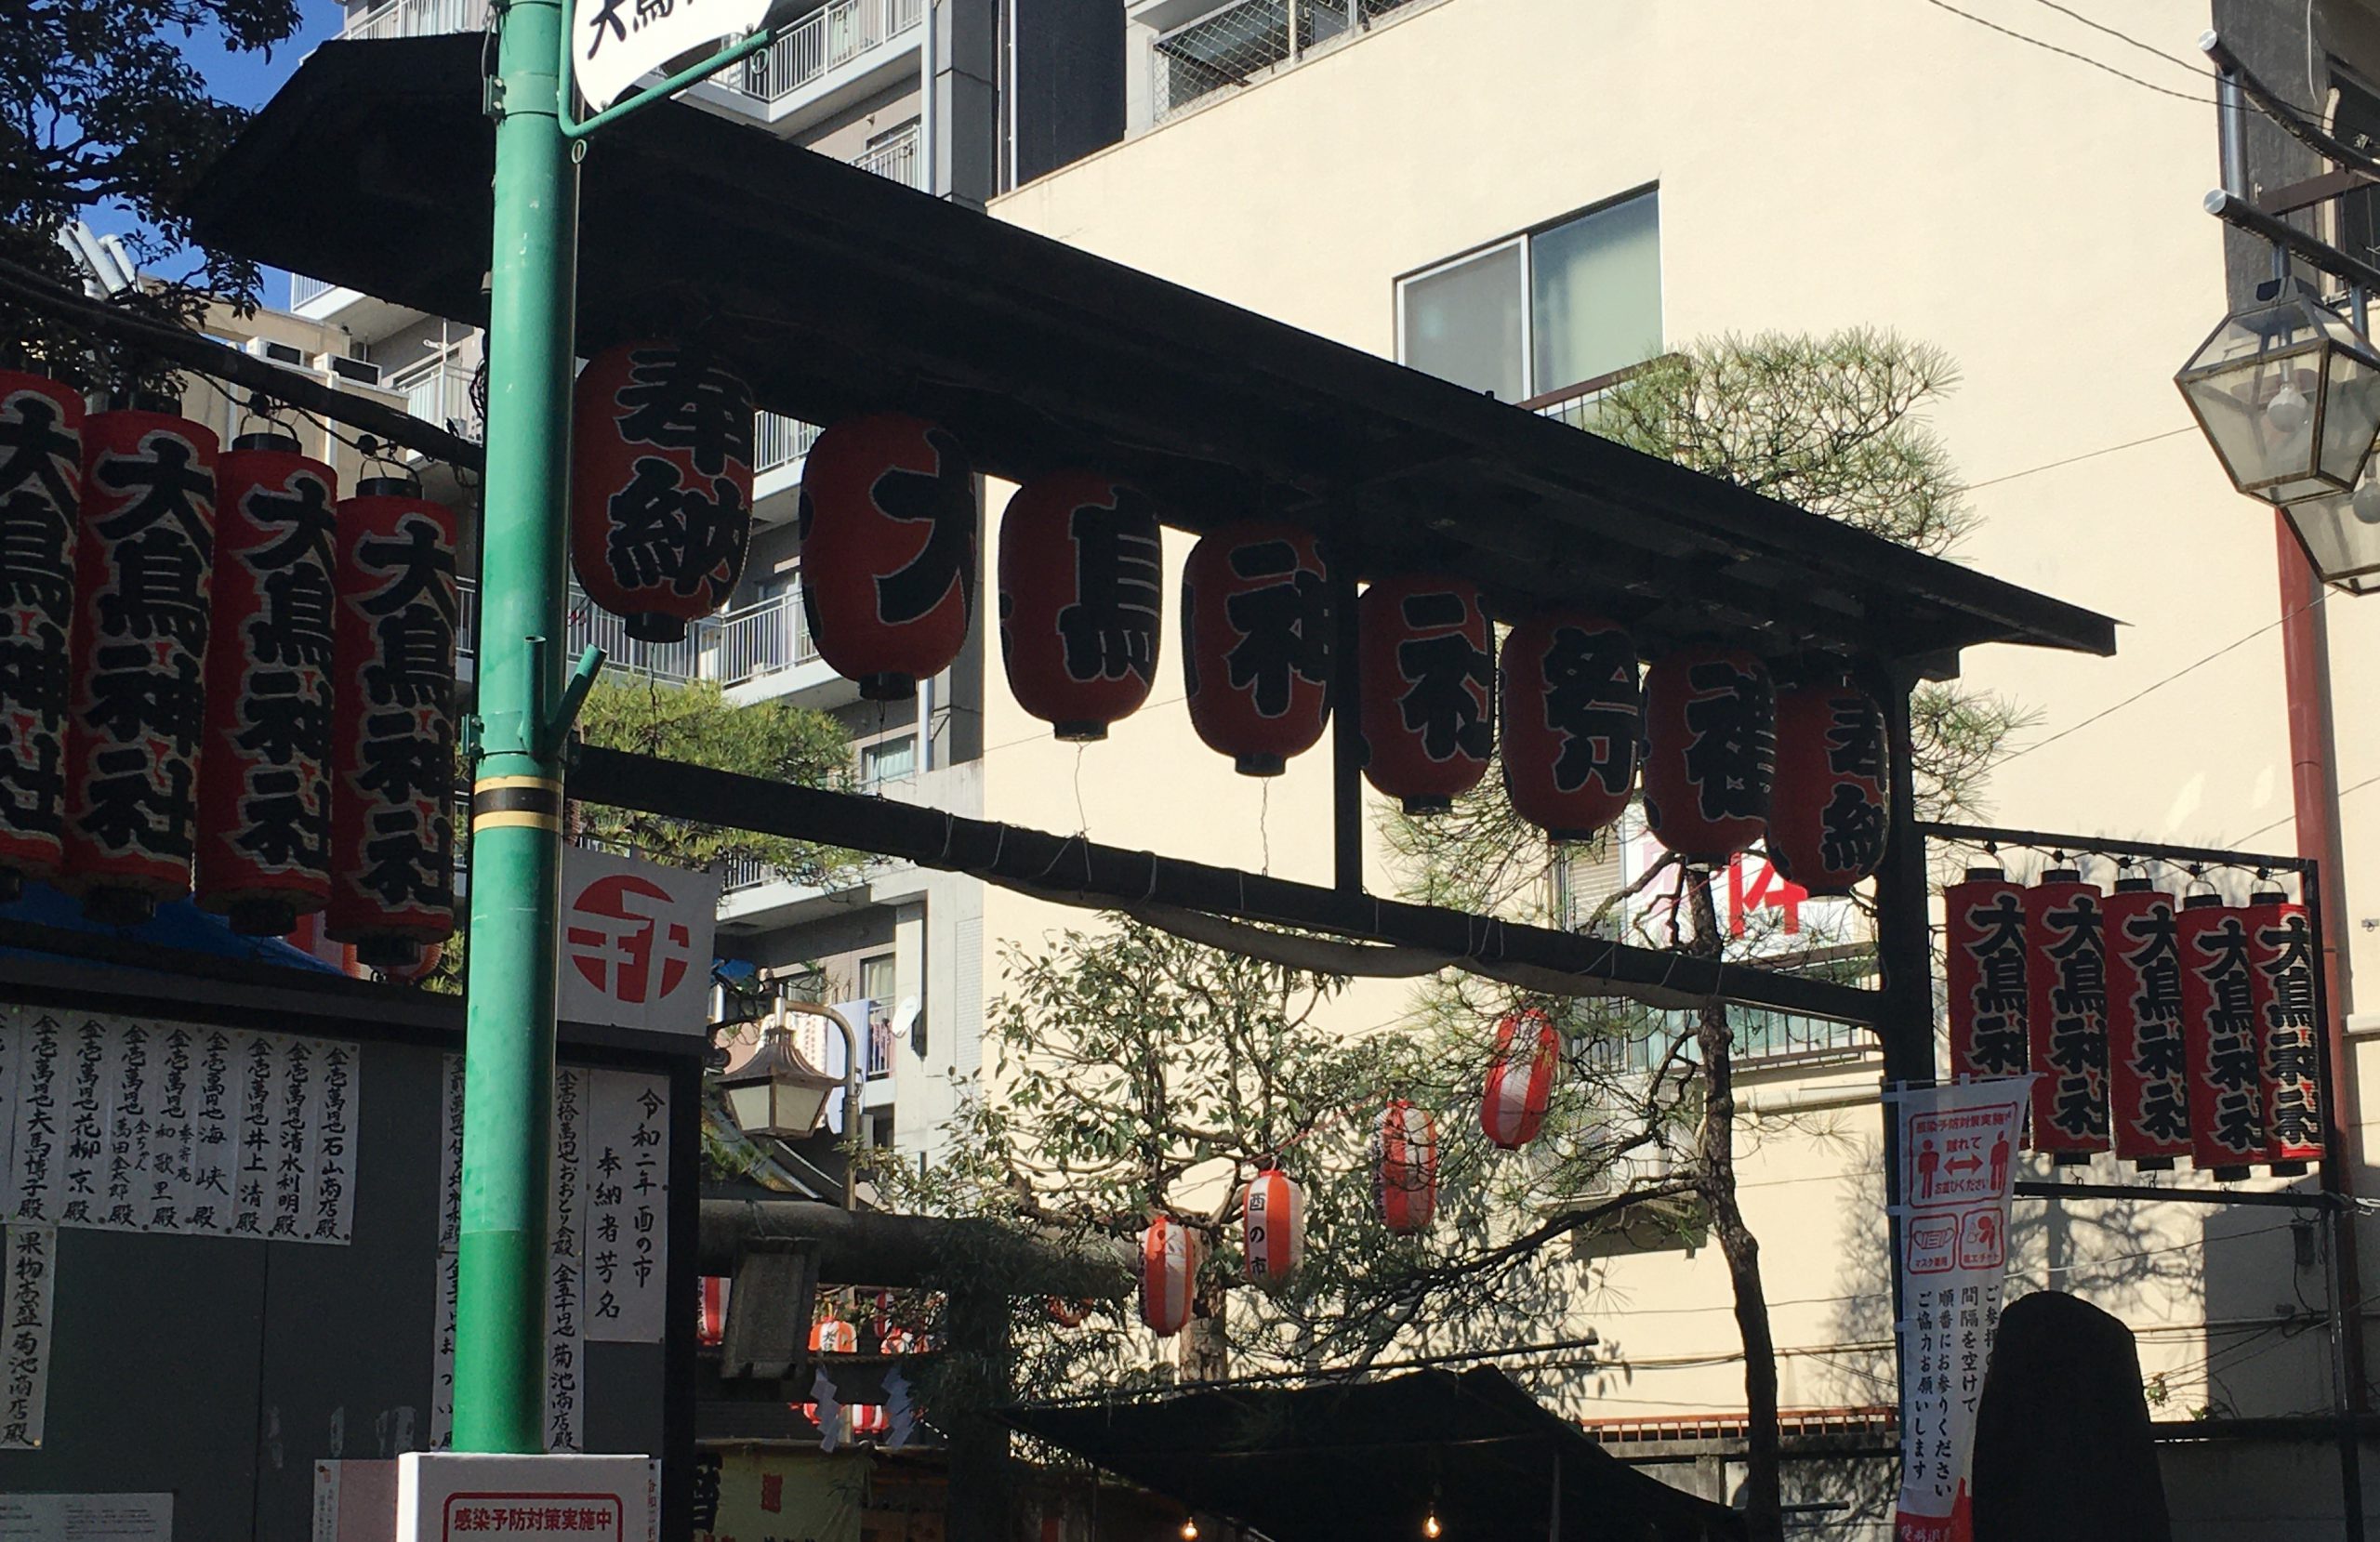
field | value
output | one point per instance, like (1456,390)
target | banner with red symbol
(636,942)
(1958,1145)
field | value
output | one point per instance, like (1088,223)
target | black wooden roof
(836,291)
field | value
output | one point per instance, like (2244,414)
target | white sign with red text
(636,942)
(447,1496)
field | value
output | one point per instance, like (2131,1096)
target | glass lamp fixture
(2289,395)
(2341,535)
(778,1093)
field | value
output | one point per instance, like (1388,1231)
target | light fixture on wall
(2288,394)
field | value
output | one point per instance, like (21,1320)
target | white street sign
(615,42)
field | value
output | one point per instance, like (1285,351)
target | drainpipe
(930,110)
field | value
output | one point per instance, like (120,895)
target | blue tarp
(181,924)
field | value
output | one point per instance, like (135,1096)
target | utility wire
(2078,58)
(2126,37)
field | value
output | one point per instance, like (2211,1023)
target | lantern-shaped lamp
(1429,690)
(1079,582)
(1570,722)
(1405,1167)
(41,486)
(660,485)
(1520,1078)
(2340,532)
(2289,396)
(1826,821)
(1257,643)
(888,551)
(1272,1229)
(778,1093)
(1709,751)
(264,796)
(1169,1275)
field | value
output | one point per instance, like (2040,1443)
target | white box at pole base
(451,1496)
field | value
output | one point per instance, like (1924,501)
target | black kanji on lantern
(918,587)
(1447,680)
(415,654)
(1731,745)
(666,531)
(2077,1030)
(2232,1072)
(1591,700)
(36,505)
(1110,628)
(675,401)
(167,541)
(1284,627)
(2291,1065)
(2159,1055)
(2001,1047)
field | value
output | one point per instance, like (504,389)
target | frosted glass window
(1463,324)
(1595,294)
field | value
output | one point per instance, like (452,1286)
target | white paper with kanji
(1958,1145)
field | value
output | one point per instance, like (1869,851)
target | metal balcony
(730,648)
(822,42)
(416,18)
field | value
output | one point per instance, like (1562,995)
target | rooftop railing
(416,18)
(1231,46)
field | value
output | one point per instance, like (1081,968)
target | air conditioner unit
(363,372)
(280,353)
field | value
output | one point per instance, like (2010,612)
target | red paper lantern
(660,485)
(1257,643)
(1405,1167)
(2066,982)
(1428,673)
(142,572)
(1984,932)
(1709,751)
(392,730)
(2148,1098)
(41,487)
(871,1419)
(1826,823)
(1169,1275)
(1272,1221)
(2220,1025)
(1570,722)
(888,551)
(1520,1078)
(1080,576)
(2286,960)
(264,813)
(1067,1314)
(710,1329)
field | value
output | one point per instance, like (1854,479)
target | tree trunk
(1206,1346)
(1764,1487)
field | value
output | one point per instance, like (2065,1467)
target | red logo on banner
(1756,885)
(613,939)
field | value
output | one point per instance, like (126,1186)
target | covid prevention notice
(1958,1144)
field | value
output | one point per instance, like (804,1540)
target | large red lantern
(660,485)
(2220,1025)
(888,551)
(40,484)
(1571,717)
(1709,751)
(392,737)
(1827,822)
(1428,674)
(264,813)
(1169,1275)
(1984,948)
(2148,1099)
(1520,1078)
(2065,980)
(1257,643)
(1080,576)
(143,567)
(1272,1220)
(1405,1167)
(2285,962)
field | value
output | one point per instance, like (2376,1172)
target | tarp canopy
(1360,1461)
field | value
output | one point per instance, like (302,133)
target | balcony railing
(825,41)
(730,649)
(416,18)
(1230,46)
(439,390)
(1759,1034)
(880,1046)
(302,289)
(761,638)
(1581,406)
(780,441)
(895,159)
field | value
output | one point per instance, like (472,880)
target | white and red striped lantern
(1709,751)
(143,568)
(2149,1087)
(2285,961)
(1570,716)
(1427,668)
(2066,982)
(871,1419)
(1984,948)
(1520,1078)
(1080,576)
(264,796)
(901,1341)
(1169,1275)
(41,490)
(1272,1220)
(2219,1025)
(1828,819)
(1405,1167)
(888,551)
(711,1325)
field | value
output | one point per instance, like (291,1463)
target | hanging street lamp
(2341,535)
(2289,395)
(777,1092)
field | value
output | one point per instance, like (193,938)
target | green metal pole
(516,788)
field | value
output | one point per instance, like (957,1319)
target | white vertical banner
(566,1267)
(35,1150)
(82,1176)
(172,1129)
(1957,1156)
(252,1061)
(28,1264)
(16,1027)
(330,1204)
(296,1096)
(450,1155)
(215,1117)
(628,1193)
(125,1201)
(441,1357)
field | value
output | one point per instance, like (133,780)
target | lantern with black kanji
(888,551)
(1570,722)
(2149,1099)
(1169,1275)
(1709,751)
(2286,960)
(264,815)
(2219,1026)
(660,485)
(1520,1078)
(1826,822)
(1984,972)
(41,482)
(392,734)
(1257,643)
(1428,677)
(2066,984)
(1405,1167)
(1079,584)
(1272,1221)
(143,563)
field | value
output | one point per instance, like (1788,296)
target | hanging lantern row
(2155,1029)
(222,677)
